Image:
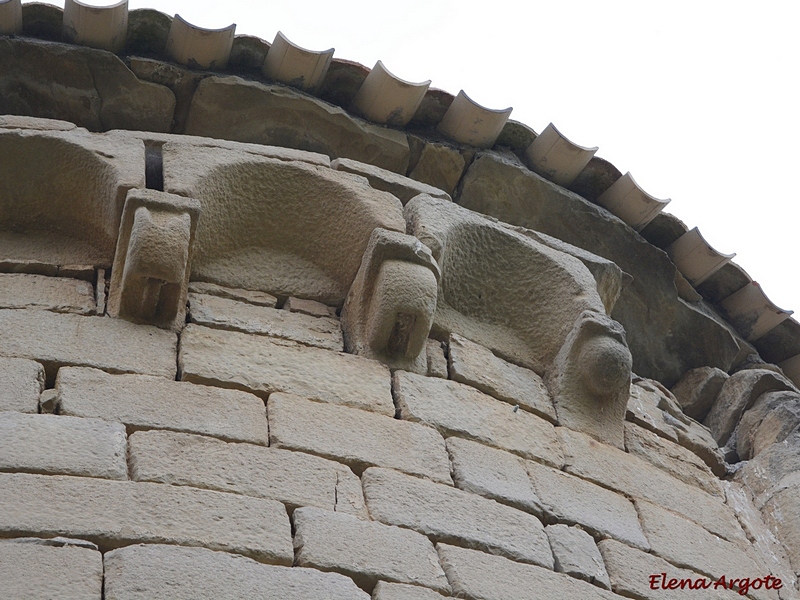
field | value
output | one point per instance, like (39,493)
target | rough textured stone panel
(62,445)
(264,366)
(697,390)
(118,513)
(475,365)
(576,554)
(439,166)
(356,437)
(687,545)
(782,514)
(492,473)
(251,296)
(398,185)
(147,571)
(293,478)
(366,551)
(247,111)
(773,417)
(56,340)
(223,313)
(738,394)
(575,501)
(37,572)
(402,591)
(455,516)
(630,571)
(774,469)
(138,402)
(474,574)
(437,362)
(667,335)
(21,382)
(311,308)
(59,294)
(88,87)
(460,410)
(675,460)
(618,470)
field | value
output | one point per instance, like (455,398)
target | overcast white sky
(697,99)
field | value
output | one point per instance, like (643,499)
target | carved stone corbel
(590,379)
(389,310)
(152,263)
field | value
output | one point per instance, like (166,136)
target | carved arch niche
(286,227)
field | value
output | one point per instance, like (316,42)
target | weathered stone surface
(294,478)
(782,514)
(62,445)
(697,390)
(91,88)
(402,591)
(342,81)
(772,470)
(590,379)
(37,572)
(248,53)
(576,554)
(516,136)
(51,293)
(261,241)
(118,513)
(57,214)
(437,361)
(697,438)
(455,516)
(618,470)
(21,382)
(572,500)
(147,571)
(687,545)
(667,335)
(48,401)
(223,313)
(644,410)
(492,473)
(475,365)
(630,571)
(43,21)
(366,551)
(389,309)
(738,394)
(596,178)
(62,339)
(263,366)
(672,458)
(355,437)
(399,186)
(253,297)
(772,419)
(247,111)
(485,297)
(478,575)
(19,122)
(147,32)
(439,166)
(311,308)
(138,402)
(457,409)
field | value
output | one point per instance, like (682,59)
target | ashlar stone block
(145,571)
(264,365)
(118,513)
(56,340)
(454,516)
(138,402)
(59,294)
(294,478)
(21,382)
(366,551)
(225,313)
(402,591)
(459,410)
(576,554)
(34,571)
(475,574)
(356,437)
(55,444)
